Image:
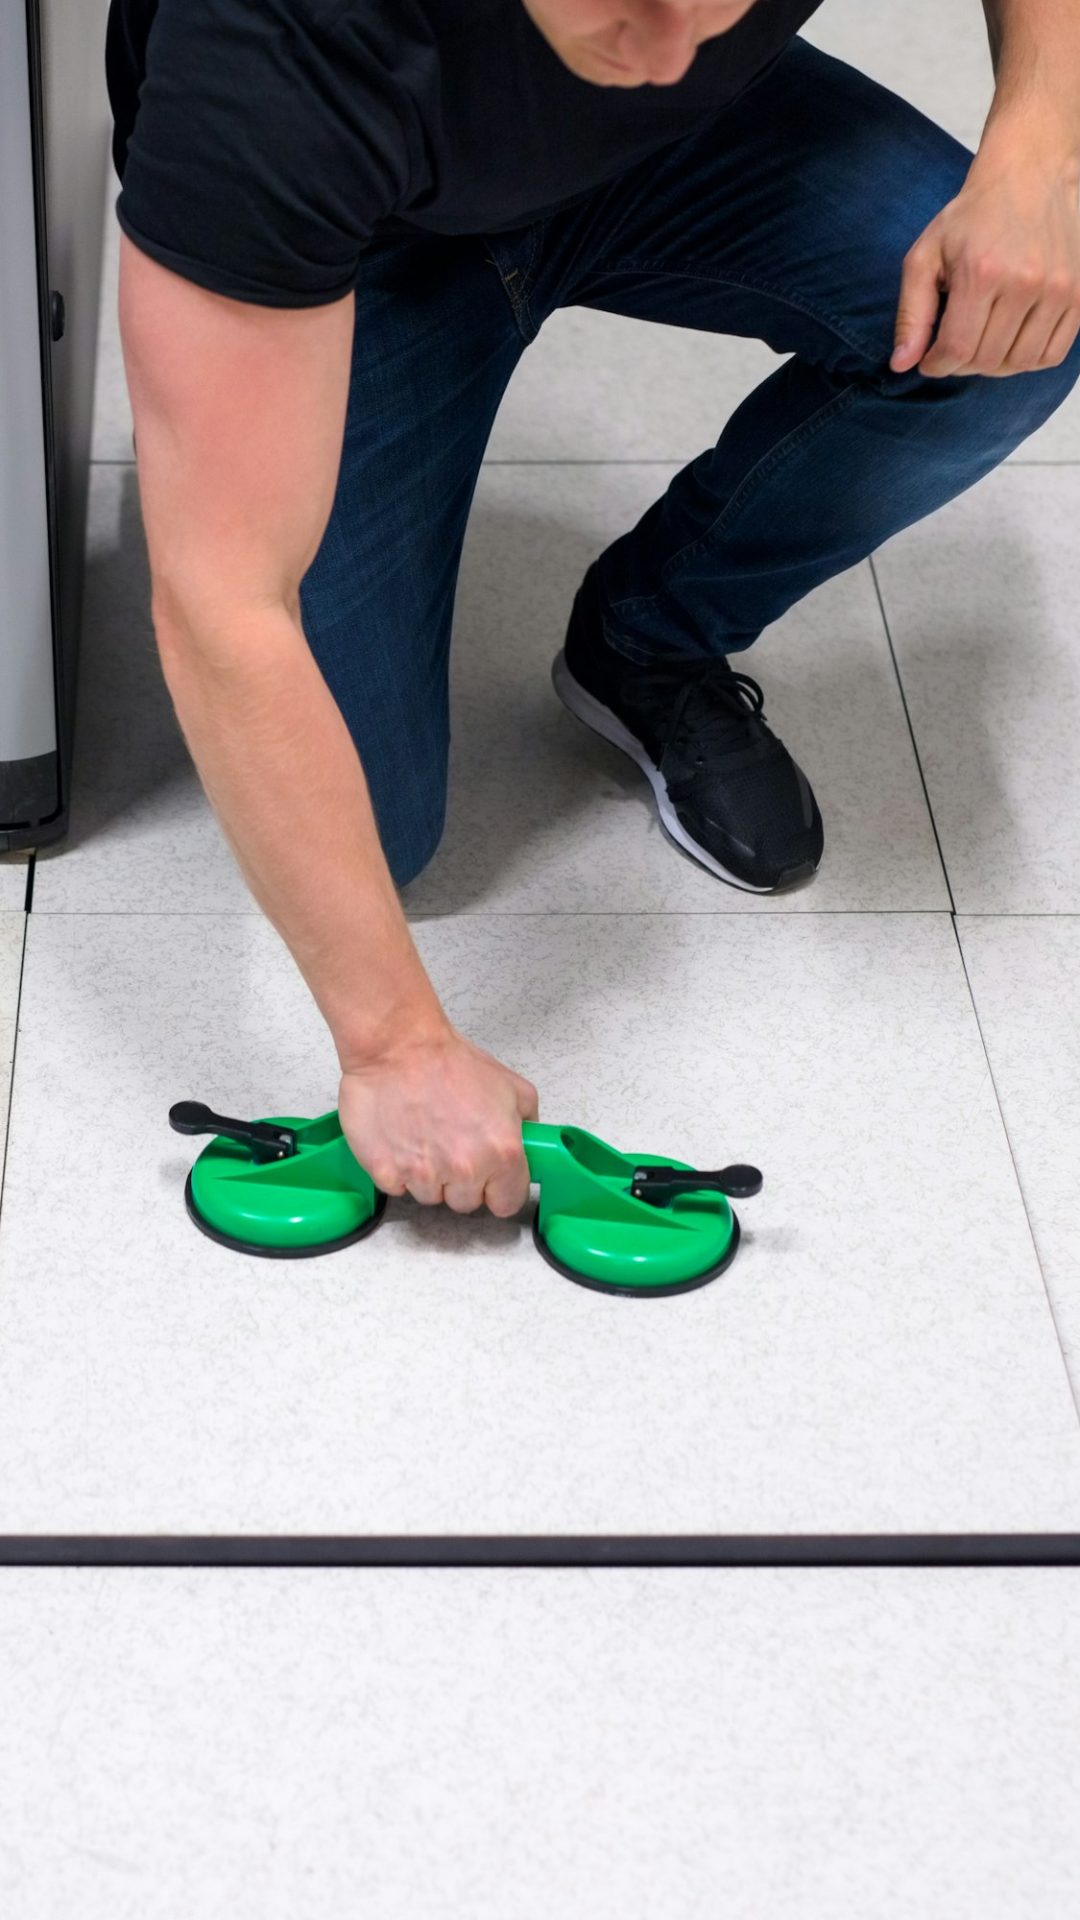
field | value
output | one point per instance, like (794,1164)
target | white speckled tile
(1058,440)
(606,386)
(543,814)
(11,951)
(879,1357)
(514,1745)
(13,871)
(1025,976)
(934,53)
(982,605)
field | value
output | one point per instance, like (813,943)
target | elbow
(218,629)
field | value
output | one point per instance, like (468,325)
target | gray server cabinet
(54,148)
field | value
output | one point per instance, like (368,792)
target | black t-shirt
(263,144)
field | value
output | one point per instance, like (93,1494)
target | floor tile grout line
(16,1029)
(1017,913)
(547,913)
(1074,1395)
(576,913)
(911,732)
(1074,1390)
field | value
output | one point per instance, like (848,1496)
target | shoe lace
(715,703)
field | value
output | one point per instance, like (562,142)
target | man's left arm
(1006,250)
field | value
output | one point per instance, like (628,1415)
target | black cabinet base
(30,810)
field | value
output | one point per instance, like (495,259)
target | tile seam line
(14,1056)
(1074,1392)
(557,913)
(911,733)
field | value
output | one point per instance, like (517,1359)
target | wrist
(414,1020)
(1033,138)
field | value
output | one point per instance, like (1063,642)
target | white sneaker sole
(585,707)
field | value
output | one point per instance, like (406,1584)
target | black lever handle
(658,1185)
(266,1141)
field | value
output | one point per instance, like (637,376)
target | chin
(591,66)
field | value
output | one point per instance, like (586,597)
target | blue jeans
(786,219)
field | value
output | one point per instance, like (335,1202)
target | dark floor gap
(698,1550)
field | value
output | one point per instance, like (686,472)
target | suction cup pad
(282,1253)
(641,1289)
(595,1224)
(313,1200)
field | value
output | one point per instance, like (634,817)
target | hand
(1006,252)
(441,1119)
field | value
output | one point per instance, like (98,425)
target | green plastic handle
(595,1228)
(590,1222)
(579,1173)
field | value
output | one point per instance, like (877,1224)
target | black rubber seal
(650,1293)
(283,1253)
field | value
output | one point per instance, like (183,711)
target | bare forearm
(285,781)
(1035,47)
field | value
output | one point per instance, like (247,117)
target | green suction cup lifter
(625,1223)
(282,1187)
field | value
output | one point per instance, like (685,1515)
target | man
(343,220)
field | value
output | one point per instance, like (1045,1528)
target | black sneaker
(727,789)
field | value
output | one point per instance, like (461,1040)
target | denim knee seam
(758,473)
(871,354)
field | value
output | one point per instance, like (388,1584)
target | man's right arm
(239,415)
